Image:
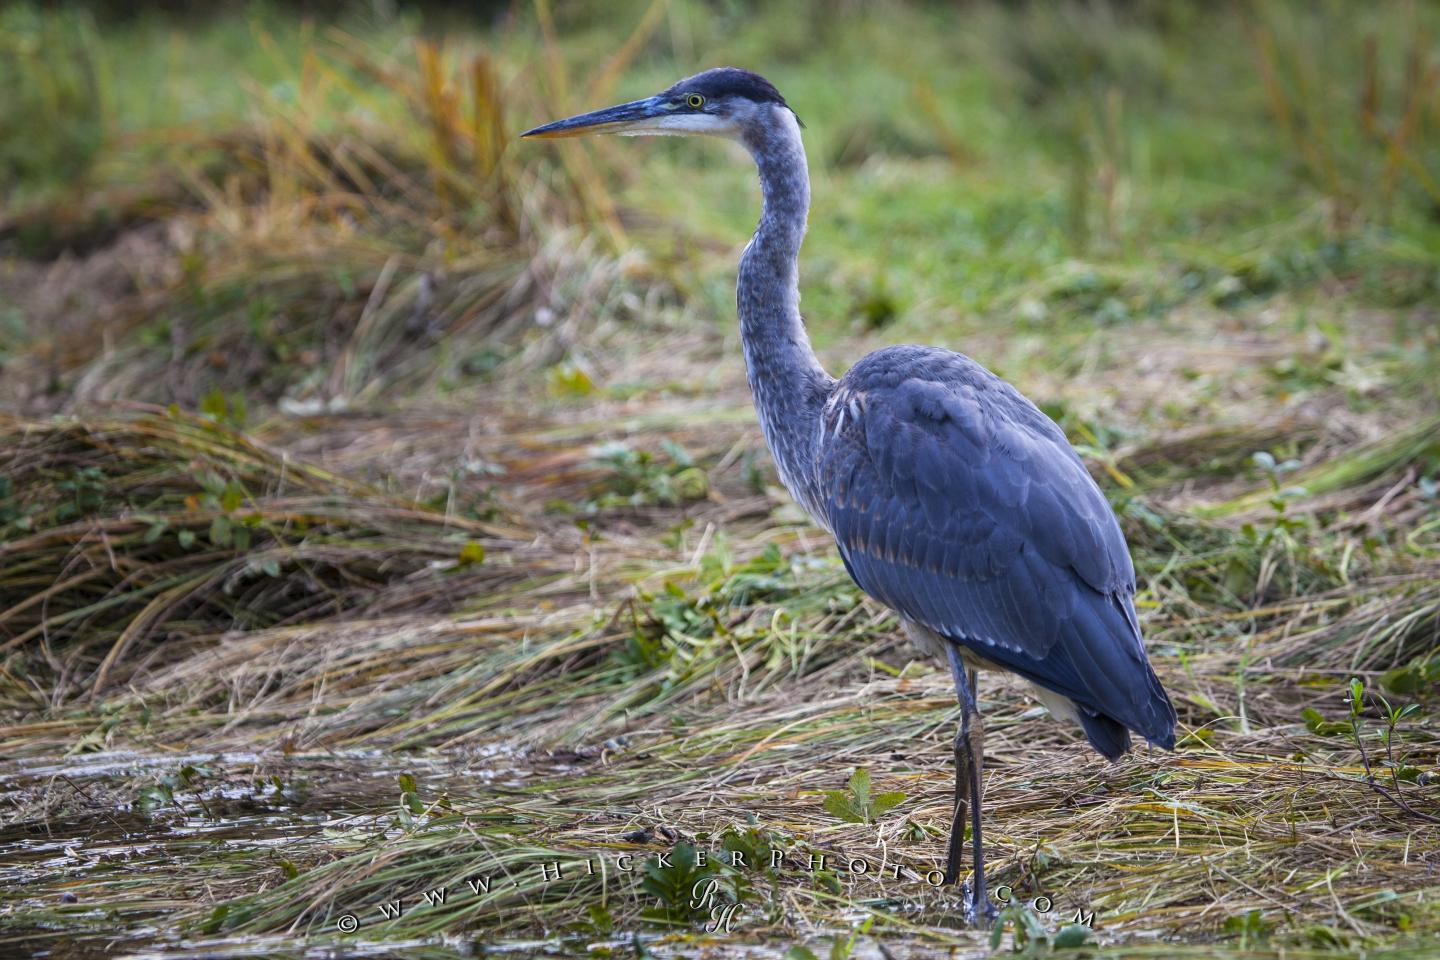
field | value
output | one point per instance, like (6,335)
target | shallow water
(99,852)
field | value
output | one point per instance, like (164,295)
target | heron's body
(960,505)
(953,499)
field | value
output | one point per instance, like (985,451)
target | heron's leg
(964,694)
(969,750)
(984,909)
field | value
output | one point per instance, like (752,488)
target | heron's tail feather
(1114,676)
(1106,735)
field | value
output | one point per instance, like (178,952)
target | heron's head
(724,102)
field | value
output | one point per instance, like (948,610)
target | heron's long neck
(789,385)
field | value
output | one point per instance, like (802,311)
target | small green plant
(81,493)
(755,844)
(1281,524)
(228,529)
(162,794)
(645,650)
(640,478)
(1393,717)
(765,577)
(856,804)
(1250,927)
(1029,936)
(411,806)
(676,617)
(674,886)
(1418,677)
(569,380)
(598,920)
(1282,535)
(227,409)
(1316,723)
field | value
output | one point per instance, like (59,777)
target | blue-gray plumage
(959,504)
(954,500)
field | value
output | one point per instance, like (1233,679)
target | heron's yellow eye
(695,101)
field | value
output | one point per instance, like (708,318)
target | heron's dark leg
(969,753)
(963,693)
(983,907)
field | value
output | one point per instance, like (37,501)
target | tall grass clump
(52,123)
(1367,136)
(325,257)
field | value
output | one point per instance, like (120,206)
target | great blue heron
(953,499)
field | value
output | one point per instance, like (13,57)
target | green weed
(857,804)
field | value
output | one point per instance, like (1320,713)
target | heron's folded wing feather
(959,504)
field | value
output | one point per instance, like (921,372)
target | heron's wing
(959,504)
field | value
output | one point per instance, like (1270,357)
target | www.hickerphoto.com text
(858,868)
(551,871)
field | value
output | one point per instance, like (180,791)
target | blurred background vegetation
(342,431)
(1026,164)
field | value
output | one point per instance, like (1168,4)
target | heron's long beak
(635,116)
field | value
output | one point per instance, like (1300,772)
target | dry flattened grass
(729,700)
(127,539)
(1156,846)
(311,583)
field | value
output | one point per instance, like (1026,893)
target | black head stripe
(730,82)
